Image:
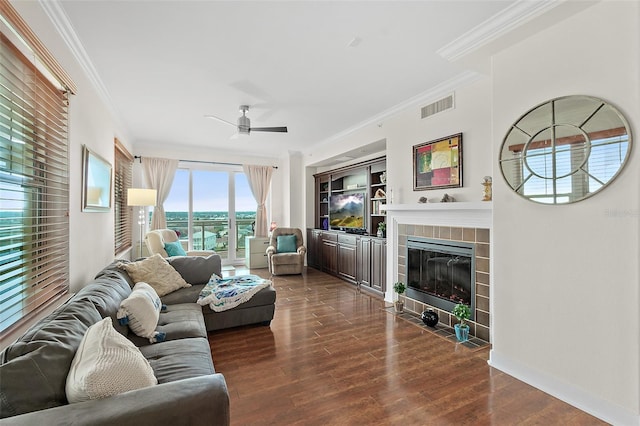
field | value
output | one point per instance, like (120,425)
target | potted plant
(382,228)
(462,313)
(399,288)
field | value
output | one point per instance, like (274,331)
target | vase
(399,304)
(430,317)
(462,333)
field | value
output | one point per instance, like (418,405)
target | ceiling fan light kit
(244,123)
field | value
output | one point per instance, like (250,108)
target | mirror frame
(535,127)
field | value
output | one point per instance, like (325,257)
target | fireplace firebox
(441,273)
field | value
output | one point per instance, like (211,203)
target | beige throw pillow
(157,272)
(106,364)
(141,311)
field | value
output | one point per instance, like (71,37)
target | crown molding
(61,22)
(495,27)
(442,89)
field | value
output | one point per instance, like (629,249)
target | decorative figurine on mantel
(447,199)
(486,182)
(422,200)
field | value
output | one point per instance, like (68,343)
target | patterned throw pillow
(286,244)
(174,249)
(156,272)
(140,311)
(106,364)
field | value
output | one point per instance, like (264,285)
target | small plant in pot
(462,313)
(399,288)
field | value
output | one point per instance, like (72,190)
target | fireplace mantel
(472,214)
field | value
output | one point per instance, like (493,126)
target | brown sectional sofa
(33,370)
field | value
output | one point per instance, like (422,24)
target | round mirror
(565,150)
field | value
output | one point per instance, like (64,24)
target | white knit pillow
(140,311)
(157,272)
(106,364)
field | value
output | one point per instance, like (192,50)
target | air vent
(438,106)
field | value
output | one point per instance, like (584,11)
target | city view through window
(223,211)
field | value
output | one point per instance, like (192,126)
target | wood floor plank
(335,356)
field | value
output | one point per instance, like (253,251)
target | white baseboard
(589,403)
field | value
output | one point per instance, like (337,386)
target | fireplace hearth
(441,273)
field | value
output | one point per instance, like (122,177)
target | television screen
(347,210)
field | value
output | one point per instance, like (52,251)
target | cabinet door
(314,248)
(363,271)
(347,262)
(378,264)
(330,256)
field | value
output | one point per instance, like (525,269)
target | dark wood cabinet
(329,253)
(378,264)
(357,259)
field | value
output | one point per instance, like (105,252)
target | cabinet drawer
(257,244)
(330,236)
(347,239)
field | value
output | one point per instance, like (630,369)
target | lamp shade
(141,197)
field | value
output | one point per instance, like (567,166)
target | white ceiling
(317,67)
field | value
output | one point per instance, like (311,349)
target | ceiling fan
(244,124)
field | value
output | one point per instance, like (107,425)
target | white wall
(565,294)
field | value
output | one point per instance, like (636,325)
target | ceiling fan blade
(221,120)
(282,129)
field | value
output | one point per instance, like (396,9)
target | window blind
(122,180)
(34,189)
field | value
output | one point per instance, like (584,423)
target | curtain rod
(200,161)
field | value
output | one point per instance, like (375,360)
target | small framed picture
(438,164)
(96,182)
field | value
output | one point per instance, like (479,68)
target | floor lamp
(141,197)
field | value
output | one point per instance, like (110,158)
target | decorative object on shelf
(462,313)
(486,182)
(383,177)
(380,193)
(382,229)
(430,317)
(141,197)
(422,200)
(565,149)
(352,186)
(446,198)
(399,288)
(325,224)
(438,164)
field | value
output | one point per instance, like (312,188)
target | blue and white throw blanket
(222,294)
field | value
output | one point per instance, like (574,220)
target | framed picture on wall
(96,182)
(438,164)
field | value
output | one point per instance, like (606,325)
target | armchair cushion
(174,249)
(286,244)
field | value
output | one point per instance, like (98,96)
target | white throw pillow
(140,311)
(157,272)
(106,364)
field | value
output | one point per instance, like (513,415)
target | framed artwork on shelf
(438,164)
(96,182)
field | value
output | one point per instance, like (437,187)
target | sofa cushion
(178,321)
(106,364)
(39,360)
(156,272)
(140,311)
(286,244)
(179,359)
(106,293)
(174,249)
(197,269)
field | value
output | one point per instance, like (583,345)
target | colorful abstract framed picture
(438,164)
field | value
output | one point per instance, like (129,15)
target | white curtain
(259,178)
(159,173)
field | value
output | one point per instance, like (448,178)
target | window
(34,177)
(211,210)
(122,180)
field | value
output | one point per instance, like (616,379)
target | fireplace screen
(440,272)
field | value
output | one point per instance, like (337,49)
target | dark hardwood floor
(333,356)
